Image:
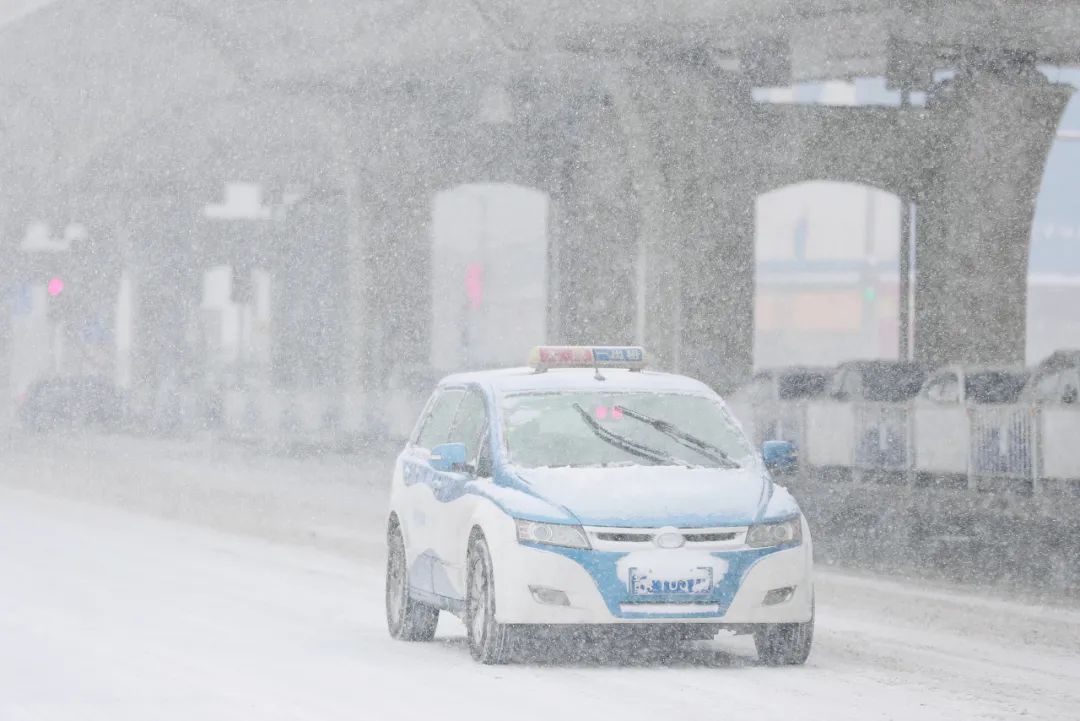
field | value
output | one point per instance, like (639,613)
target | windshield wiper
(626,444)
(692,442)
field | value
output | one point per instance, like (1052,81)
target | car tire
(406,618)
(489,640)
(784,644)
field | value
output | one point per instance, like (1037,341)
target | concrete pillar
(166,292)
(401,268)
(388,295)
(592,222)
(358,294)
(308,285)
(638,108)
(690,139)
(992,129)
(717,259)
(592,281)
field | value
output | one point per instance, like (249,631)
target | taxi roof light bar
(545,357)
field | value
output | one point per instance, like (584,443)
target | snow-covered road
(110,611)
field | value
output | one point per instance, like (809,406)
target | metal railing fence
(1008,447)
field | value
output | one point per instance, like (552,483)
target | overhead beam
(873,146)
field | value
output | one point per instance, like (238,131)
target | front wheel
(407,618)
(489,640)
(784,644)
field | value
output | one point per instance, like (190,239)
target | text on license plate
(646,583)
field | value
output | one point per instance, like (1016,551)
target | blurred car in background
(767,404)
(782,384)
(872,397)
(70,402)
(957,384)
(878,381)
(1056,380)
(965,421)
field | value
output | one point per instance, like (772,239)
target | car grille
(606,538)
(619,537)
(707,537)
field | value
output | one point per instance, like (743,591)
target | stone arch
(878,147)
(568,148)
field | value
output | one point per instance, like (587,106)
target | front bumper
(595,584)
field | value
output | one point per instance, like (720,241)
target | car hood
(654,496)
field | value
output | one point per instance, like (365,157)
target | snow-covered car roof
(517,380)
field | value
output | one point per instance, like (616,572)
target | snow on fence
(1011,448)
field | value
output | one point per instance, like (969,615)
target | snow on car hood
(654,496)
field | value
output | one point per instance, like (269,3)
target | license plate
(697,582)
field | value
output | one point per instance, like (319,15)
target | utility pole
(906,244)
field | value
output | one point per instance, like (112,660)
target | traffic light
(474,285)
(81,287)
(80,276)
(62,303)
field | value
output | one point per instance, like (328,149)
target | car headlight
(764,535)
(552,534)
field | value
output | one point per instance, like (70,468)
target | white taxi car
(586,491)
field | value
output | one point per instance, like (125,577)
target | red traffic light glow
(474,284)
(55,286)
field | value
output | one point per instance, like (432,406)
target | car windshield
(612,429)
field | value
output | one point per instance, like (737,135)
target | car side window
(853,386)
(483,459)
(846,386)
(944,389)
(1047,387)
(836,386)
(436,428)
(470,422)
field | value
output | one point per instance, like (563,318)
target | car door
(419,508)
(941,425)
(830,425)
(450,527)
(1047,386)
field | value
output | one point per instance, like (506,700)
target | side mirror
(780,456)
(449,457)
